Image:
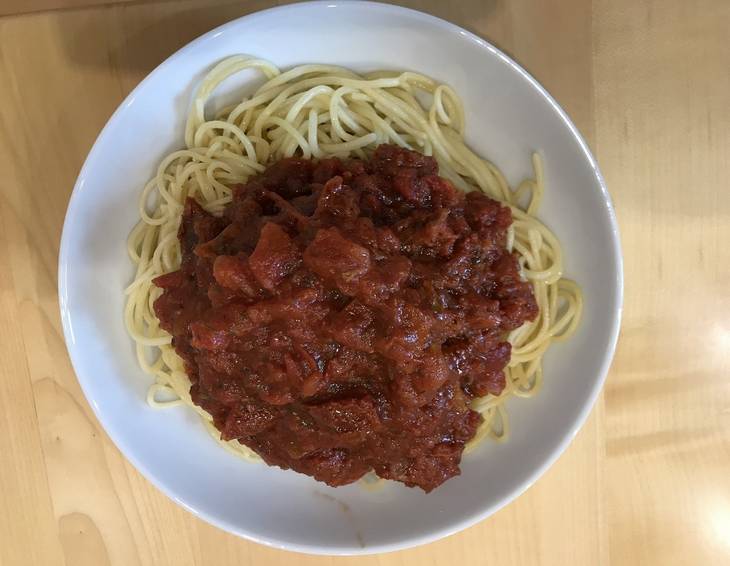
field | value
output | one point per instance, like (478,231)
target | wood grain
(645,481)
(662,76)
(15,7)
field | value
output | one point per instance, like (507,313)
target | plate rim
(432,535)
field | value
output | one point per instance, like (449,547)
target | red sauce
(341,315)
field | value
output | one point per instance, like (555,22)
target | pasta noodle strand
(321,111)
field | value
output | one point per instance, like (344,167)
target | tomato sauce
(342,314)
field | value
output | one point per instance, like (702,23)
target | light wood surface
(15,7)
(647,479)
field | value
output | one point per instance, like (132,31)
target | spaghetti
(317,111)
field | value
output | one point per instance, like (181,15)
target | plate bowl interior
(508,117)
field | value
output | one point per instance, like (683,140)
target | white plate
(508,116)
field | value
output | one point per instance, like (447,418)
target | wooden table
(647,480)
